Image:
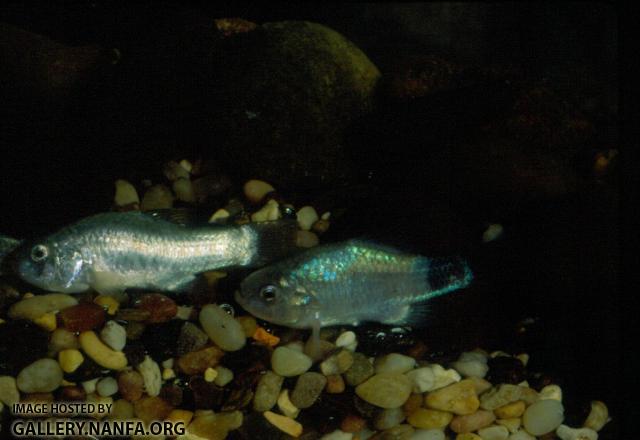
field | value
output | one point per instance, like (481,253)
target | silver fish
(348,283)
(113,251)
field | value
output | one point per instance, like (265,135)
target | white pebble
(269,212)
(394,363)
(494,433)
(9,393)
(157,197)
(114,335)
(306,239)
(255,190)
(307,216)
(126,193)
(222,328)
(89,386)
(107,387)
(543,417)
(326,216)
(551,392)
(288,362)
(493,232)
(41,376)
(184,190)
(224,376)
(337,435)
(471,364)
(566,433)
(432,377)
(150,371)
(347,340)
(427,434)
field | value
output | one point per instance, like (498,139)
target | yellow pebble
(424,418)
(459,398)
(47,321)
(99,352)
(210,374)
(468,436)
(598,417)
(168,373)
(66,383)
(510,410)
(28,295)
(108,302)
(180,415)
(284,424)
(70,359)
(285,406)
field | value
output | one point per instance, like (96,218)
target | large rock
(286,93)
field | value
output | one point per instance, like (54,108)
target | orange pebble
(261,335)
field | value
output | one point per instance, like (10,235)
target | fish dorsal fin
(178,216)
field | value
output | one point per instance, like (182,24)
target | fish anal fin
(413,315)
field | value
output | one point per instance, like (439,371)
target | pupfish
(349,283)
(114,251)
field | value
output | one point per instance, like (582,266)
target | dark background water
(558,259)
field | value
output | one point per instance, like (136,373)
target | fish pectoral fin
(108,283)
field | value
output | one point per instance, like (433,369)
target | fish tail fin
(274,240)
(441,276)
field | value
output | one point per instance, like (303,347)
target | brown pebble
(134,330)
(161,308)
(197,362)
(172,394)
(132,315)
(335,384)
(321,226)
(150,408)
(82,317)
(130,385)
(418,350)
(413,403)
(353,423)
(71,393)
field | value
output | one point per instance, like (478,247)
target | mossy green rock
(287,92)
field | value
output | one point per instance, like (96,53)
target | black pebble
(21,343)
(134,351)
(160,339)
(206,395)
(505,369)
(86,371)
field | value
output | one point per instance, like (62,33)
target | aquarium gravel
(198,359)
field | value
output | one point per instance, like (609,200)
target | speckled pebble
(9,393)
(459,398)
(567,433)
(543,416)
(41,376)
(385,390)
(500,396)
(107,387)
(308,388)
(222,328)
(432,377)
(337,363)
(191,338)
(494,433)
(472,422)
(114,335)
(267,391)
(394,363)
(130,385)
(288,362)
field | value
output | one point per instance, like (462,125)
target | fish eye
(39,252)
(268,293)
